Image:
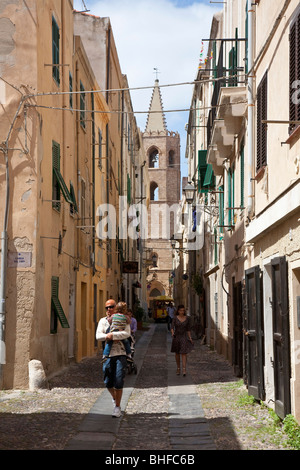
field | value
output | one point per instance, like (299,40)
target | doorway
(237,347)
(254,333)
(281,336)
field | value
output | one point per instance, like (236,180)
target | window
(73,205)
(202,168)
(100,149)
(83,199)
(128,189)
(154,159)
(231,196)
(294,72)
(171,158)
(82,105)
(55,182)
(233,63)
(221,208)
(58,183)
(57,311)
(55,51)
(262,112)
(71,91)
(242,173)
(153,192)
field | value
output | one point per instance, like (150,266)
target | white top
(117,348)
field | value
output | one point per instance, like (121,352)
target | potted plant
(139,315)
(197,285)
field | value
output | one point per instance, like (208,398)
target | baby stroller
(131,366)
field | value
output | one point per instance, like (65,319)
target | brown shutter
(262,112)
(294,72)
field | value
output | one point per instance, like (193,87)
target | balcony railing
(228,71)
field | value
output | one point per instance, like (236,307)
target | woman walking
(182,342)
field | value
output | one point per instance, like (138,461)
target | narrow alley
(161,411)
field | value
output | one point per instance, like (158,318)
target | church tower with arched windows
(162,149)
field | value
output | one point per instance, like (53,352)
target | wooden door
(281,337)
(237,350)
(253,330)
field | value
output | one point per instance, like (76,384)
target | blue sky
(163,34)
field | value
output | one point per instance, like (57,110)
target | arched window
(155,293)
(171,158)
(153,159)
(153,191)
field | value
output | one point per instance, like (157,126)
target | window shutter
(82,105)
(56,303)
(262,107)
(55,184)
(202,167)
(215,247)
(221,208)
(63,186)
(128,189)
(229,180)
(242,173)
(100,148)
(71,90)
(233,59)
(55,51)
(73,197)
(294,106)
(55,155)
(209,180)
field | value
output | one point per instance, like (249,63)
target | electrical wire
(134,112)
(113,90)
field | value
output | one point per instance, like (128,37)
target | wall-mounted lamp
(154,260)
(173,245)
(189,191)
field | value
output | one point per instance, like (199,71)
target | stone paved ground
(147,409)
(46,420)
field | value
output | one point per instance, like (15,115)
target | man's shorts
(114,370)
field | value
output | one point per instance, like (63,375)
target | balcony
(228,104)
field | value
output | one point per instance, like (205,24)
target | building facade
(162,150)
(245,164)
(59,163)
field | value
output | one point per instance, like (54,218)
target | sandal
(178,371)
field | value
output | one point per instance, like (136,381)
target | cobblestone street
(162,411)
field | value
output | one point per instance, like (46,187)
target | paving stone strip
(163,410)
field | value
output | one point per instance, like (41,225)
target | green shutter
(63,186)
(128,189)
(55,184)
(215,247)
(221,208)
(246,36)
(56,303)
(82,105)
(232,194)
(229,197)
(71,90)
(214,60)
(242,163)
(55,155)
(73,197)
(202,167)
(55,51)
(209,180)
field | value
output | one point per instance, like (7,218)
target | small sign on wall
(19,259)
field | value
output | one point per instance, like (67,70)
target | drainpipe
(250,208)
(3,272)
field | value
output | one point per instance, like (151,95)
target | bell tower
(162,149)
